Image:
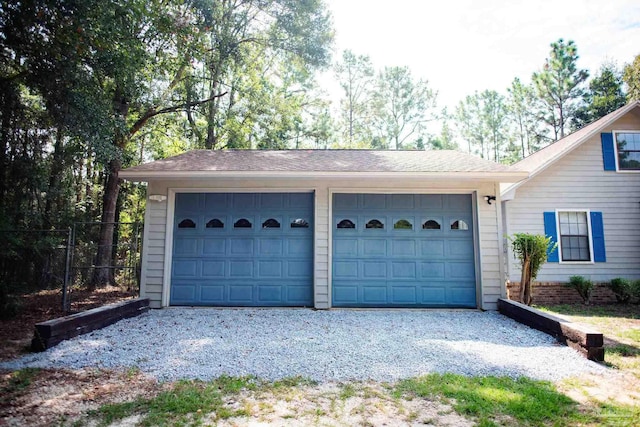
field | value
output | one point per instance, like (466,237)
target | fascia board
(503,176)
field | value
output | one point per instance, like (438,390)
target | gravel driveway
(337,345)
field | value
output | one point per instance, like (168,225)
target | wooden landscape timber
(48,334)
(588,342)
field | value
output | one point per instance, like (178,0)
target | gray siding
(490,279)
(579,181)
(153,250)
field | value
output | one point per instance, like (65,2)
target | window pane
(583,229)
(573,229)
(629,160)
(584,254)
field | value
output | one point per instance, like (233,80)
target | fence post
(65,284)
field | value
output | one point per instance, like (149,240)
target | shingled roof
(202,163)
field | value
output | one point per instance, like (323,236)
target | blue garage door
(241,249)
(403,250)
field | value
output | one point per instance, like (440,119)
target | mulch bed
(16,333)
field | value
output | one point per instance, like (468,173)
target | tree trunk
(103,273)
(525,282)
(5,131)
(561,122)
(55,178)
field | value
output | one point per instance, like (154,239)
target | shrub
(583,286)
(622,288)
(532,251)
(635,291)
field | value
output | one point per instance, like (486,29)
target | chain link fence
(36,260)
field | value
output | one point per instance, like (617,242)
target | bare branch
(152,112)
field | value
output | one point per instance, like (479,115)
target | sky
(461,46)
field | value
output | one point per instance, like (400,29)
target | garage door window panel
(299,223)
(187,223)
(374,224)
(215,223)
(431,224)
(459,224)
(346,223)
(271,223)
(242,223)
(403,224)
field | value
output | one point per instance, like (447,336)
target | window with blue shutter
(597,235)
(627,150)
(574,236)
(550,231)
(608,151)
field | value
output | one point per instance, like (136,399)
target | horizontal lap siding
(154,250)
(579,181)
(492,281)
(321,279)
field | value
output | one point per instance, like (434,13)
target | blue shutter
(608,151)
(551,231)
(597,236)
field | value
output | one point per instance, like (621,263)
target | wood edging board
(48,334)
(589,342)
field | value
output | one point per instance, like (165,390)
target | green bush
(622,288)
(635,291)
(532,251)
(583,286)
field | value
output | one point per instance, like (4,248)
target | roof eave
(486,176)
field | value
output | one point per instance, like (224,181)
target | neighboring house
(323,228)
(584,192)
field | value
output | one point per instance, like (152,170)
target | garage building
(323,229)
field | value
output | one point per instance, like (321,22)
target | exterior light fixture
(157,197)
(489,199)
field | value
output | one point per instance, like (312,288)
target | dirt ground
(64,397)
(61,397)
(16,333)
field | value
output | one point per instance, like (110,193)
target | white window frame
(615,148)
(587,212)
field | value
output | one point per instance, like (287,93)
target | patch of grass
(624,358)
(623,350)
(113,412)
(18,381)
(347,391)
(632,334)
(187,402)
(492,399)
(297,381)
(132,372)
(233,385)
(618,322)
(629,311)
(608,414)
(489,401)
